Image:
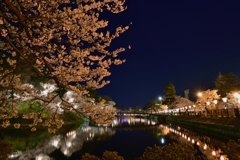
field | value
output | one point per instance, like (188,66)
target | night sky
(187,43)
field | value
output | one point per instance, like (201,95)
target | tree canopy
(63,43)
(226,83)
(181,102)
(153,104)
(170,94)
(208,96)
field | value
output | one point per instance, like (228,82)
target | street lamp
(226,107)
(215,102)
(225,101)
(160,98)
(207,108)
(237,96)
(199,94)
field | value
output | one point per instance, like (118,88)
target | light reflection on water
(132,121)
(73,141)
(203,142)
(67,144)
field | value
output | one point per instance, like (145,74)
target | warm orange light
(199,94)
(236,95)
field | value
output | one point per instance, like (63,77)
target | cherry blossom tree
(163,107)
(181,102)
(206,99)
(66,43)
(233,98)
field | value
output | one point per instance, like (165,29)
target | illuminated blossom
(64,44)
(17,125)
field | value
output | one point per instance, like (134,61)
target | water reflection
(73,141)
(133,121)
(67,144)
(209,147)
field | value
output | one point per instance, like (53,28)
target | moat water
(128,136)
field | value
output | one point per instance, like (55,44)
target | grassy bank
(225,126)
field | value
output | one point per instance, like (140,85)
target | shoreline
(211,125)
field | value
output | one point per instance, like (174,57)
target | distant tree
(118,106)
(226,83)
(153,104)
(148,105)
(182,102)
(163,107)
(123,108)
(208,96)
(170,95)
(136,107)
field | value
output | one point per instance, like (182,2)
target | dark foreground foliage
(231,149)
(107,155)
(5,149)
(174,151)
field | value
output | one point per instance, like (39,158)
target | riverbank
(227,126)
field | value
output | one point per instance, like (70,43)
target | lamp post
(237,96)
(158,104)
(189,111)
(225,102)
(215,103)
(208,104)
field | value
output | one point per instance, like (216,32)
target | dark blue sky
(183,42)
